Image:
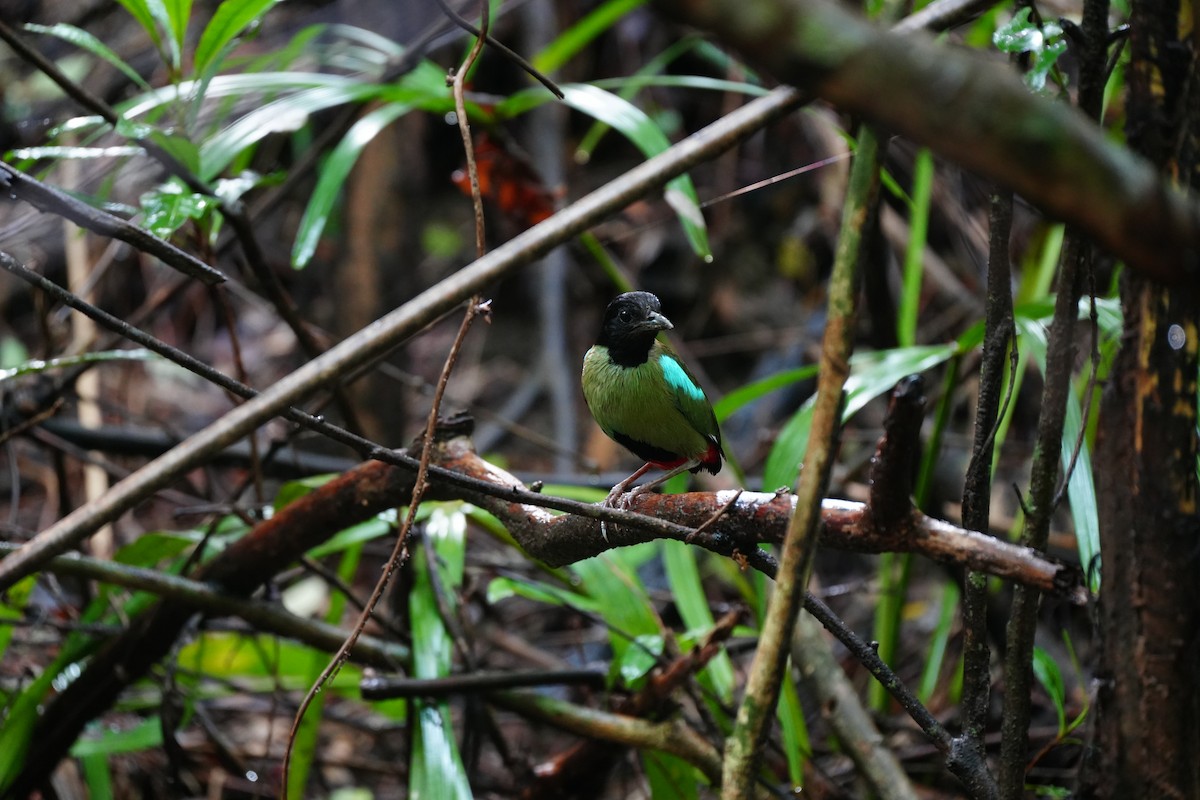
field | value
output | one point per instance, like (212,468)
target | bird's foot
(618,498)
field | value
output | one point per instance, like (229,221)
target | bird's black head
(631,322)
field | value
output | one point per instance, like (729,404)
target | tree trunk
(1149,699)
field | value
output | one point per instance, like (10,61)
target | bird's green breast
(656,402)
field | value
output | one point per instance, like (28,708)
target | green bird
(643,396)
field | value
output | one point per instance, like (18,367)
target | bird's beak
(656,322)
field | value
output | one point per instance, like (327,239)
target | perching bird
(643,397)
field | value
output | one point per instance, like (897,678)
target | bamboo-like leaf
(99,357)
(333,176)
(635,125)
(683,574)
(436,768)
(86,41)
(230,20)
(568,43)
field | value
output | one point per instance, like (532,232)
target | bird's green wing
(686,392)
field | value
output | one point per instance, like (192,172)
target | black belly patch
(647,452)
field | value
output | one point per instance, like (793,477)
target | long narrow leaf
(86,41)
(333,176)
(231,18)
(436,768)
(571,41)
(635,125)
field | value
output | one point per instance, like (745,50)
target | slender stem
(744,745)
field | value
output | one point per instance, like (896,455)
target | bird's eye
(626,315)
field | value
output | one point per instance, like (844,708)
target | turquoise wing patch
(678,379)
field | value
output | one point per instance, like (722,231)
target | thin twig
(516,58)
(400,549)
(720,512)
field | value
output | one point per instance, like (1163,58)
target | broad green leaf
(436,769)
(639,658)
(568,43)
(230,20)
(688,592)
(21,714)
(36,366)
(182,148)
(670,777)
(151,549)
(286,114)
(333,176)
(871,375)
(86,41)
(171,206)
(611,581)
(366,531)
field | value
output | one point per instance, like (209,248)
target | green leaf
(611,581)
(683,575)
(333,176)
(914,253)
(670,777)
(97,777)
(639,658)
(1044,43)
(140,11)
(744,395)
(86,41)
(579,35)
(178,12)
(436,768)
(872,374)
(171,206)
(1081,490)
(635,125)
(1045,668)
(795,732)
(231,18)
(78,153)
(503,588)
(109,741)
(37,366)
(21,715)
(181,147)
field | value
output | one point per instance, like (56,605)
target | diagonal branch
(393,328)
(972,111)
(48,199)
